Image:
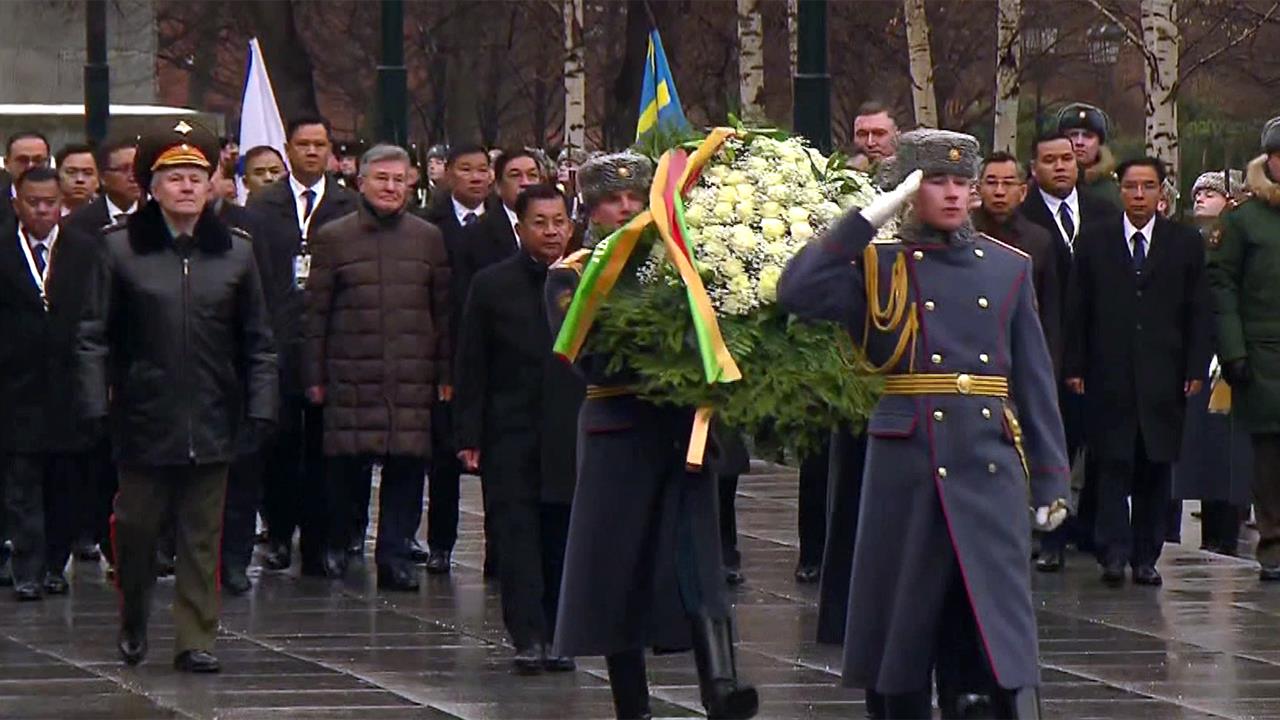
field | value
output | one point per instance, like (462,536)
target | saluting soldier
(179,331)
(643,563)
(965,439)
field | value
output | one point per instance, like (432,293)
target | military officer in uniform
(642,564)
(179,331)
(966,444)
(1087,127)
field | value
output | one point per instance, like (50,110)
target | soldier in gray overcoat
(966,443)
(643,563)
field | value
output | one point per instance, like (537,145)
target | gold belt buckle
(964,384)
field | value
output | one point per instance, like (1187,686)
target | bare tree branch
(1248,32)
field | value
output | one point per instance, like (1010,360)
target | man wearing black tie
(1057,205)
(120,192)
(290,213)
(466,204)
(1138,342)
(45,276)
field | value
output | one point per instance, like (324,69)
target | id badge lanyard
(40,279)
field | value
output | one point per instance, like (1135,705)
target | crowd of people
(207,350)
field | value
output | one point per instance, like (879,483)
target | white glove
(1049,517)
(1215,369)
(886,206)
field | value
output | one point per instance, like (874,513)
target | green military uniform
(1244,278)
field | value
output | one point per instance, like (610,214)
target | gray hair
(382,152)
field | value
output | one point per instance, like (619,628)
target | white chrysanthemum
(743,239)
(771,209)
(728,194)
(746,211)
(797,215)
(801,230)
(826,211)
(695,216)
(768,284)
(723,211)
(780,192)
(773,228)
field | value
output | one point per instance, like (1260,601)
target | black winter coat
(515,400)
(181,335)
(38,345)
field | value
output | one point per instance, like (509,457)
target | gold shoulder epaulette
(1005,245)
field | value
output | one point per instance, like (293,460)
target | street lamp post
(812,88)
(97,75)
(393,106)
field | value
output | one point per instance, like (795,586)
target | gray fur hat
(618,172)
(1271,136)
(934,152)
(1083,116)
(1214,181)
(576,156)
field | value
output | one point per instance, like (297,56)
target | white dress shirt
(1053,202)
(461,211)
(1148,232)
(28,244)
(114,212)
(300,202)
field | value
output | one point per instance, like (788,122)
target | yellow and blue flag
(659,102)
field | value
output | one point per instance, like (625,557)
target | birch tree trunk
(575,77)
(1160,38)
(750,61)
(793,47)
(921,57)
(1008,64)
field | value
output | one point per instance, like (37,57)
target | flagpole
(393,110)
(97,74)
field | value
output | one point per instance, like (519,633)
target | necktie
(115,219)
(1068,225)
(310,196)
(1139,251)
(42,261)
(469,219)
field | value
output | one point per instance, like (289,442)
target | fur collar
(1257,182)
(148,232)
(1104,168)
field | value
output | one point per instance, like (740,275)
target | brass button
(928,305)
(986,413)
(936,359)
(982,303)
(991,468)
(918,255)
(938,415)
(985,358)
(978,252)
(964,384)
(942,472)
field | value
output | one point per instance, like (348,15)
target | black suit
(445,472)
(1136,337)
(518,404)
(6,199)
(45,447)
(90,219)
(294,462)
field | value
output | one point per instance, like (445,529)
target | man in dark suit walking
(1139,344)
(465,206)
(1057,205)
(120,192)
(290,212)
(45,274)
(517,410)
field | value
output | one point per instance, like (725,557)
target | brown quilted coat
(377,331)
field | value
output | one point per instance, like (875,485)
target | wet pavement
(1206,645)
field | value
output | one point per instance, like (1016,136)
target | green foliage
(799,380)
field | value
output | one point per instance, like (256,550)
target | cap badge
(182,127)
(624,172)
(953,154)
(1084,114)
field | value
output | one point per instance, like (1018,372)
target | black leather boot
(629,685)
(1020,704)
(722,695)
(909,706)
(875,706)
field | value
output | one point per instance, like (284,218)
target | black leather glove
(1237,372)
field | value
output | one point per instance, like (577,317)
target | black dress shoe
(808,574)
(402,579)
(1147,575)
(27,590)
(55,583)
(164,567)
(734,576)
(439,562)
(335,564)
(1113,574)
(196,661)
(236,581)
(528,660)
(1051,561)
(1269,573)
(417,553)
(558,663)
(279,557)
(132,646)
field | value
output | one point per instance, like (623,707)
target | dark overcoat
(943,474)
(377,332)
(515,400)
(844,496)
(1137,339)
(38,395)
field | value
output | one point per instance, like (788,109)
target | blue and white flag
(260,122)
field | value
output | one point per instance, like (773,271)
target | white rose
(746,211)
(781,192)
(773,228)
(797,215)
(723,211)
(712,250)
(771,209)
(801,230)
(743,239)
(768,286)
(727,195)
(745,191)
(718,171)
(735,177)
